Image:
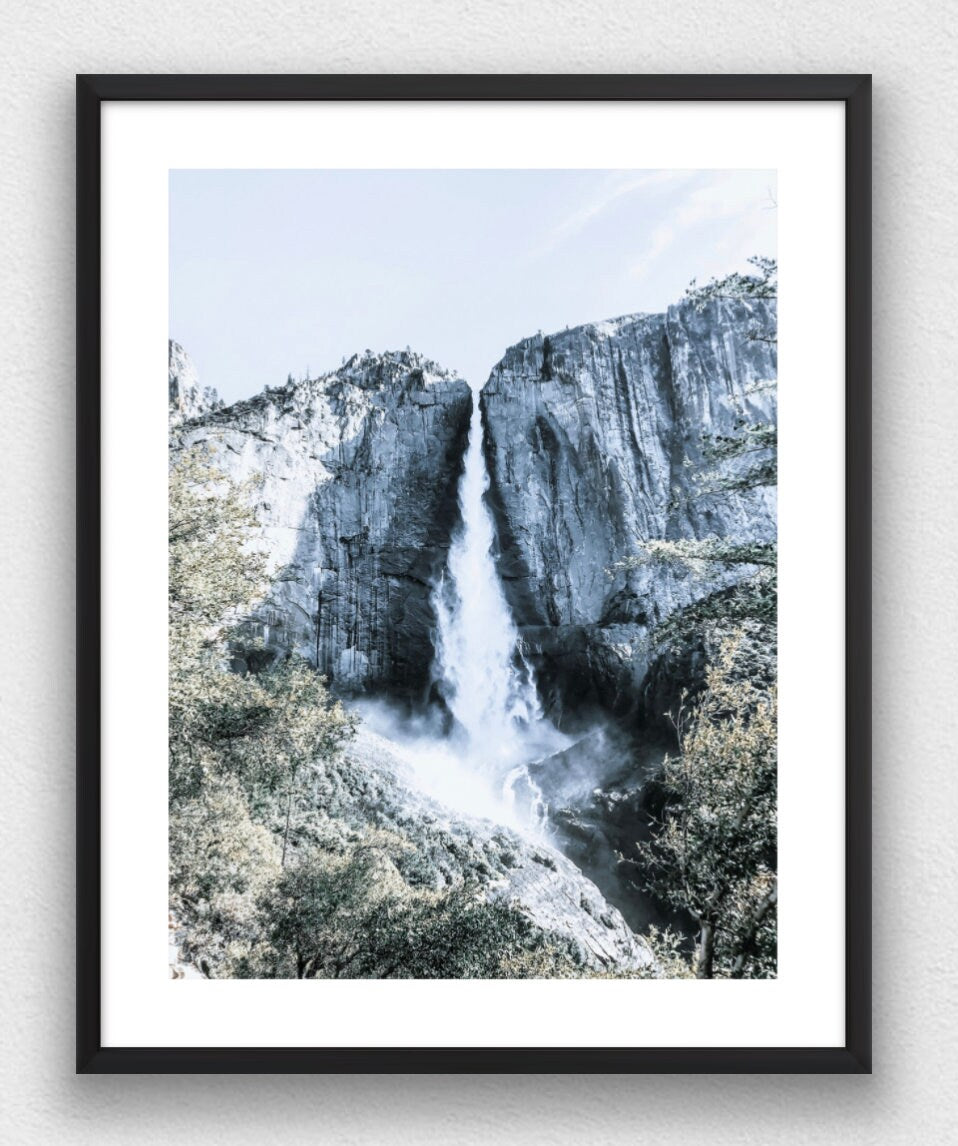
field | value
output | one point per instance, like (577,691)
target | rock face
(354,482)
(597,441)
(187,398)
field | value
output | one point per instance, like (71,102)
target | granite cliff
(188,399)
(597,442)
(353,479)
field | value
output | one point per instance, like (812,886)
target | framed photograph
(473,606)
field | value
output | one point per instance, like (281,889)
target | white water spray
(485,678)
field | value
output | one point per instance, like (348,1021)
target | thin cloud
(614,189)
(719,198)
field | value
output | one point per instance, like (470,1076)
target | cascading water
(484,677)
(488,692)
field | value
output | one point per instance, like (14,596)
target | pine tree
(715,854)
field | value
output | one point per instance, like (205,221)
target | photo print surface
(472,555)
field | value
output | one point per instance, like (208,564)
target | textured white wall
(910,49)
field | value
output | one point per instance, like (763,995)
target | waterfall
(483,674)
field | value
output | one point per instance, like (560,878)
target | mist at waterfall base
(479,765)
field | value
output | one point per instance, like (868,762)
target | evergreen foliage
(714,855)
(762,283)
(352,916)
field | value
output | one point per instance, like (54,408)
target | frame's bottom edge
(473,1060)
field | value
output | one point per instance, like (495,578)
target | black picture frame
(855,1056)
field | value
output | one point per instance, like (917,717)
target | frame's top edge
(527,86)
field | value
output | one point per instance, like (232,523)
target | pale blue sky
(274,272)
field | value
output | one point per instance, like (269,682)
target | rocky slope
(354,478)
(374,786)
(596,442)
